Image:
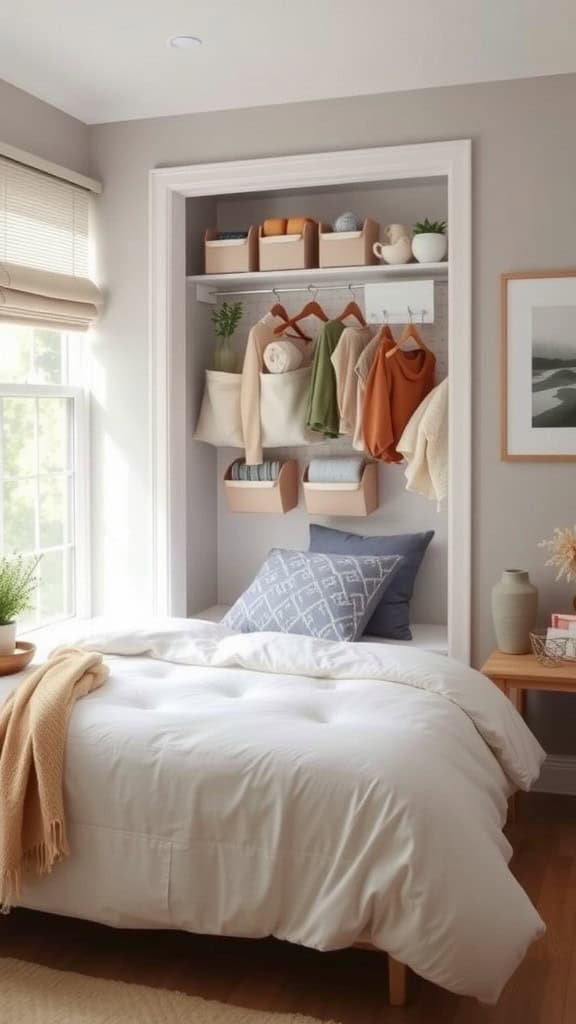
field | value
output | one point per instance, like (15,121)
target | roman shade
(44,251)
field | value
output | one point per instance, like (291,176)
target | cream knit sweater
(424,445)
(352,343)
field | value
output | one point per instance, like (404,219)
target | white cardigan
(424,445)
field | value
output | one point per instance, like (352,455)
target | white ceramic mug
(399,247)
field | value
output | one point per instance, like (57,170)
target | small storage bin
(356,499)
(219,422)
(230,255)
(348,248)
(267,497)
(289,252)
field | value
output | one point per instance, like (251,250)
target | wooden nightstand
(514,674)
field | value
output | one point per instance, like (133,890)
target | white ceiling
(109,60)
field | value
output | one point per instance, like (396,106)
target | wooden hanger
(352,309)
(279,310)
(409,331)
(311,308)
(387,333)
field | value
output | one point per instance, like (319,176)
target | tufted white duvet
(320,792)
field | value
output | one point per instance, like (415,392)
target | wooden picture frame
(538,310)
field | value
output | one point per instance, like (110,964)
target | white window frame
(81,465)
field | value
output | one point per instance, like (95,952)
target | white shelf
(319,275)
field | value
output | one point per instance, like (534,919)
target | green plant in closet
(429,227)
(226,320)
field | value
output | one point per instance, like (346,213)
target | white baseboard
(558,775)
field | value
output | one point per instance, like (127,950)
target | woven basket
(553,651)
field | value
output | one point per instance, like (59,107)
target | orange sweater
(394,390)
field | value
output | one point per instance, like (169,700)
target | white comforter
(276,785)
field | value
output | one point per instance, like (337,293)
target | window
(47,301)
(43,464)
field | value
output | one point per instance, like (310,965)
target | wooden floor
(348,986)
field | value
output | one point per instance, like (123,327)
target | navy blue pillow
(392,616)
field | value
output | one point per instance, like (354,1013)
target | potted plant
(226,320)
(429,243)
(18,581)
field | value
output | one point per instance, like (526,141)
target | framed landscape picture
(539,366)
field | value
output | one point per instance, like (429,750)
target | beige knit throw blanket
(33,727)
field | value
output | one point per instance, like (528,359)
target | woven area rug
(30,994)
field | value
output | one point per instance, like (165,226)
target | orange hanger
(311,308)
(387,333)
(279,310)
(409,331)
(352,309)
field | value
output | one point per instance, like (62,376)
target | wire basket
(549,651)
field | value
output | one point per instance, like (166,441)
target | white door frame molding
(169,188)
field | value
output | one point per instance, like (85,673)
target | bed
(324,793)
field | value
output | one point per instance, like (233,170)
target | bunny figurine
(399,248)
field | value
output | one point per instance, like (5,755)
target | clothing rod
(303,288)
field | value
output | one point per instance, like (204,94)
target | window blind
(44,250)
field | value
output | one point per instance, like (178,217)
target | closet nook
(231,519)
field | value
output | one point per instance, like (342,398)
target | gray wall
(524,168)
(35,126)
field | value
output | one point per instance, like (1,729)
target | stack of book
(563,627)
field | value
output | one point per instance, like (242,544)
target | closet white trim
(169,188)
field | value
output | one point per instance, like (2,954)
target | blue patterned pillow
(327,596)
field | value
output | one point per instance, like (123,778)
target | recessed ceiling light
(185,42)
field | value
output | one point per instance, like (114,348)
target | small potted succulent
(429,243)
(18,581)
(226,320)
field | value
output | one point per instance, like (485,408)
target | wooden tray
(11,663)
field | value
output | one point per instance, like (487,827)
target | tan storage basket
(348,248)
(230,255)
(289,252)
(267,497)
(330,499)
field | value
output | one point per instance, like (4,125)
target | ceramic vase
(429,247)
(7,638)
(514,609)
(225,358)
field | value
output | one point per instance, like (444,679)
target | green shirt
(322,413)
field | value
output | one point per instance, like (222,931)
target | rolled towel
(296,225)
(268,470)
(274,226)
(342,470)
(282,356)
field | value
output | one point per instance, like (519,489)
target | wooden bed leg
(397,982)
